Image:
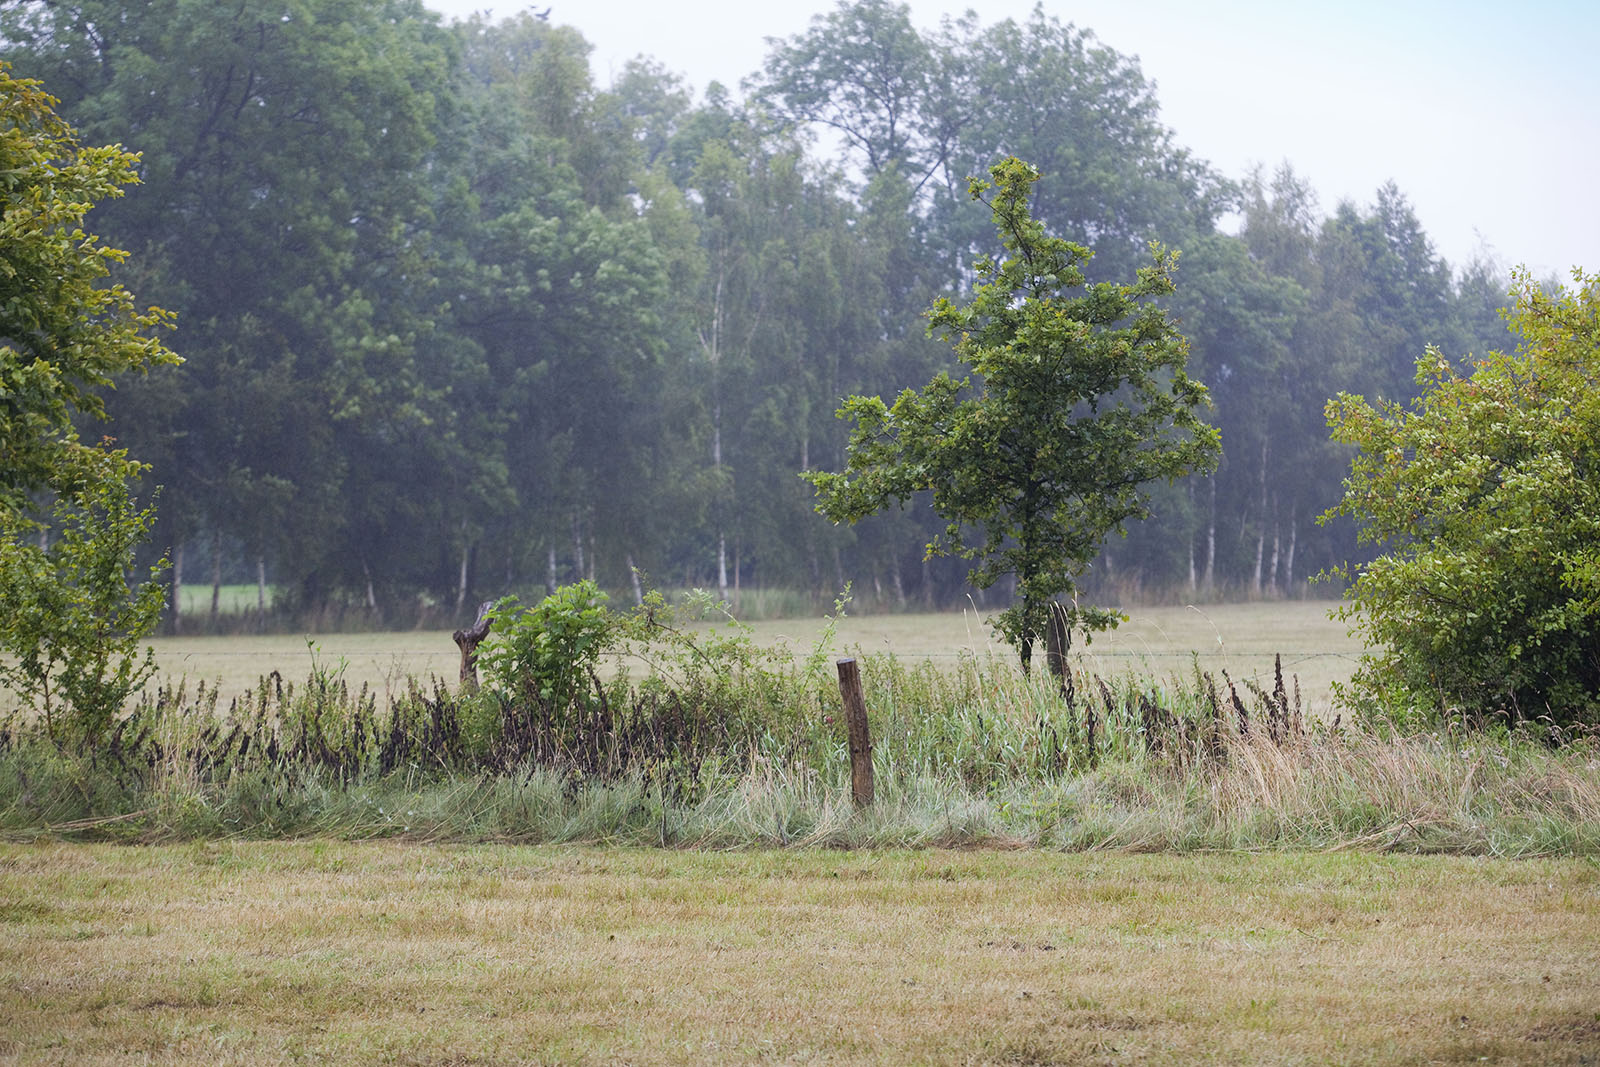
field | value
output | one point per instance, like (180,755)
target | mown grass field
(1156,642)
(223,952)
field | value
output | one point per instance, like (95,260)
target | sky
(1486,115)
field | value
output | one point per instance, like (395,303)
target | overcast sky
(1487,115)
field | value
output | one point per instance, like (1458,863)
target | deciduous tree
(1080,402)
(68,527)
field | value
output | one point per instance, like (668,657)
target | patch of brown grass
(232,953)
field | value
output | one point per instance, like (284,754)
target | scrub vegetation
(701,737)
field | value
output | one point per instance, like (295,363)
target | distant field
(231,599)
(235,952)
(1156,642)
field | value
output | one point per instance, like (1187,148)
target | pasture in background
(1156,643)
(240,599)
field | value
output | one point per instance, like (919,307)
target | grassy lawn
(240,953)
(1156,642)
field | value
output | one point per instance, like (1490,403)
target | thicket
(70,626)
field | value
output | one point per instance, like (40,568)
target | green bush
(547,651)
(1485,495)
(72,627)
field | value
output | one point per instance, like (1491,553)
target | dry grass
(1156,642)
(231,953)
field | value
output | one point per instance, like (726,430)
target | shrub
(1486,498)
(547,651)
(71,625)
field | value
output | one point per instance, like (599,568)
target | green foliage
(1082,400)
(963,756)
(460,318)
(547,652)
(70,625)
(71,628)
(63,333)
(279,215)
(1485,495)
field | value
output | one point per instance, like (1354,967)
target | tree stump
(468,641)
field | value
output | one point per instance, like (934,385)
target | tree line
(456,320)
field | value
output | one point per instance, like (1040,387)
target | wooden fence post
(855,718)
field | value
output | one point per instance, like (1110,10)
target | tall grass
(752,752)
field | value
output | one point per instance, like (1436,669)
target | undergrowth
(718,744)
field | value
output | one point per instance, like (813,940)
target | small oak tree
(1485,494)
(70,623)
(1080,401)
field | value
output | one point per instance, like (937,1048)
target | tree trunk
(1261,548)
(177,588)
(1211,538)
(461,578)
(1057,643)
(1193,573)
(1288,560)
(722,566)
(1261,532)
(577,545)
(1272,569)
(550,574)
(638,586)
(216,573)
(261,584)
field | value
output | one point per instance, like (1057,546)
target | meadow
(1167,870)
(1155,642)
(239,953)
